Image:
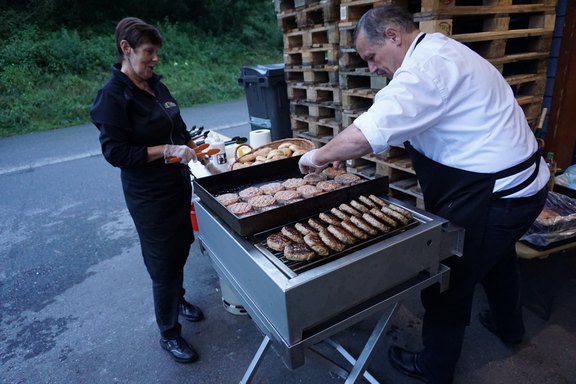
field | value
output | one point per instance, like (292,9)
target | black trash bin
(267,99)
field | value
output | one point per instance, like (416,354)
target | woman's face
(141,60)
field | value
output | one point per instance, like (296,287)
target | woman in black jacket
(142,133)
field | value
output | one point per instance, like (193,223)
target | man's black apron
(463,197)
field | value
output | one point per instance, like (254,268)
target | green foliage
(49,76)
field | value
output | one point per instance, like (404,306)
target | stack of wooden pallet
(329,85)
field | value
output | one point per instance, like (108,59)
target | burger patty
(294,183)
(329,218)
(304,229)
(315,178)
(332,172)
(349,210)
(291,233)
(315,243)
(366,201)
(239,208)
(346,178)
(286,196)
(308,191)
(376,223)
(228,199)
(327,185)
(272,188)
(298,252)
(359,206)
(363,225)
(262,201)
(383,217)
(395,215)
(318,225)
(330,241)
(249,192)
(339,214)
(341,234)
(277,242)
(354,230)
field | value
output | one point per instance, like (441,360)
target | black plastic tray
(206,188)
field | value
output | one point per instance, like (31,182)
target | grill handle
(452,240)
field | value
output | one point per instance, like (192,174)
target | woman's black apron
(464,198)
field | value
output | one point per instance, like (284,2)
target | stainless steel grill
(300,304)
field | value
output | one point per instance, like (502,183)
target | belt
(514,202)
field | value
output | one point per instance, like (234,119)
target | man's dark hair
(375,21)
(136,32)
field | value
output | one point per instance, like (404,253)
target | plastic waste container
(267,99)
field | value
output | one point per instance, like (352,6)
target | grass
(49,80)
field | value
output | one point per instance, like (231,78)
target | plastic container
(220,159)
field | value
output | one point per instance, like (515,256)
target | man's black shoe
(191,312)
(180,350)
(406,362)
(487,320)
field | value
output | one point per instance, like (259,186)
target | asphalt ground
(76,303)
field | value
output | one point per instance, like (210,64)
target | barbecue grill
(299,304)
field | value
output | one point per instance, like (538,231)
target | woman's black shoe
(406,362)
(487,320)
(190,312)
(180,350)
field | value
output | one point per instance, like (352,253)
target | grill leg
(256,360)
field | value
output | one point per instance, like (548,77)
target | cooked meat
(363,225)
(271,188)
(400,210)
(395,215)
(359,206)
(381,216)
(346,178)
(313,241)
(332,172)
(329,218)
(330,241)
(228,199)
(315,178)
(249,192)
(277,242)
(378,201)
(304,229)
(298,252)
(294,183)
(366,201)
(339,214)
(349,210)
(328,185)
(291,233)
(354,230)
(318,225)
(239,208)
(287,196)
(262,201)
(308,191)
(376,223)
(341,234)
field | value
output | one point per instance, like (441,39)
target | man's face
(382,56)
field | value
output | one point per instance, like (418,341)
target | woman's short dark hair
(136,32)
(375,21)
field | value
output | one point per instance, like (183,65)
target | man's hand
(178,154)
(307,163)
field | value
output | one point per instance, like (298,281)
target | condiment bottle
(219,159)
(551,161)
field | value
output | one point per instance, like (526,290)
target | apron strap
(534,159)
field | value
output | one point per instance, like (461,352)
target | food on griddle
(277,242)
(330,241)
(287,196)
(332,172)
(228,199)
(240,208)
(378,201)
(313,241)
(292,233)
(262,201)
(308,191)
(395,215)
(318,225)
(341,234)
(329,218)
(366,201)
(346,178)
(304,229)
(402,211)
(387,220)
(249,192)
(294,183)
(272,188)
(363,225)
(349,210)
(298,252)
(339,214)
(359,206)
(315,178)
(328,185)
(374,222)
(354,230)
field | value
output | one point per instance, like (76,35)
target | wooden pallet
(357,99)
(327,74)
(316,37)
(315,111)
(352,11)
(361,78)
(327,55)
(317,93)
(322,129)
(455,7)
(288,5)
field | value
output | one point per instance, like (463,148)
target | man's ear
(394,35)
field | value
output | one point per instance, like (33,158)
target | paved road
(76,303)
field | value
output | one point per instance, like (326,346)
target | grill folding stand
(299,311)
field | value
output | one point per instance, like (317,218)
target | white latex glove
(307,163)
(179,154)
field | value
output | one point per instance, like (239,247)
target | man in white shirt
(476,160)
